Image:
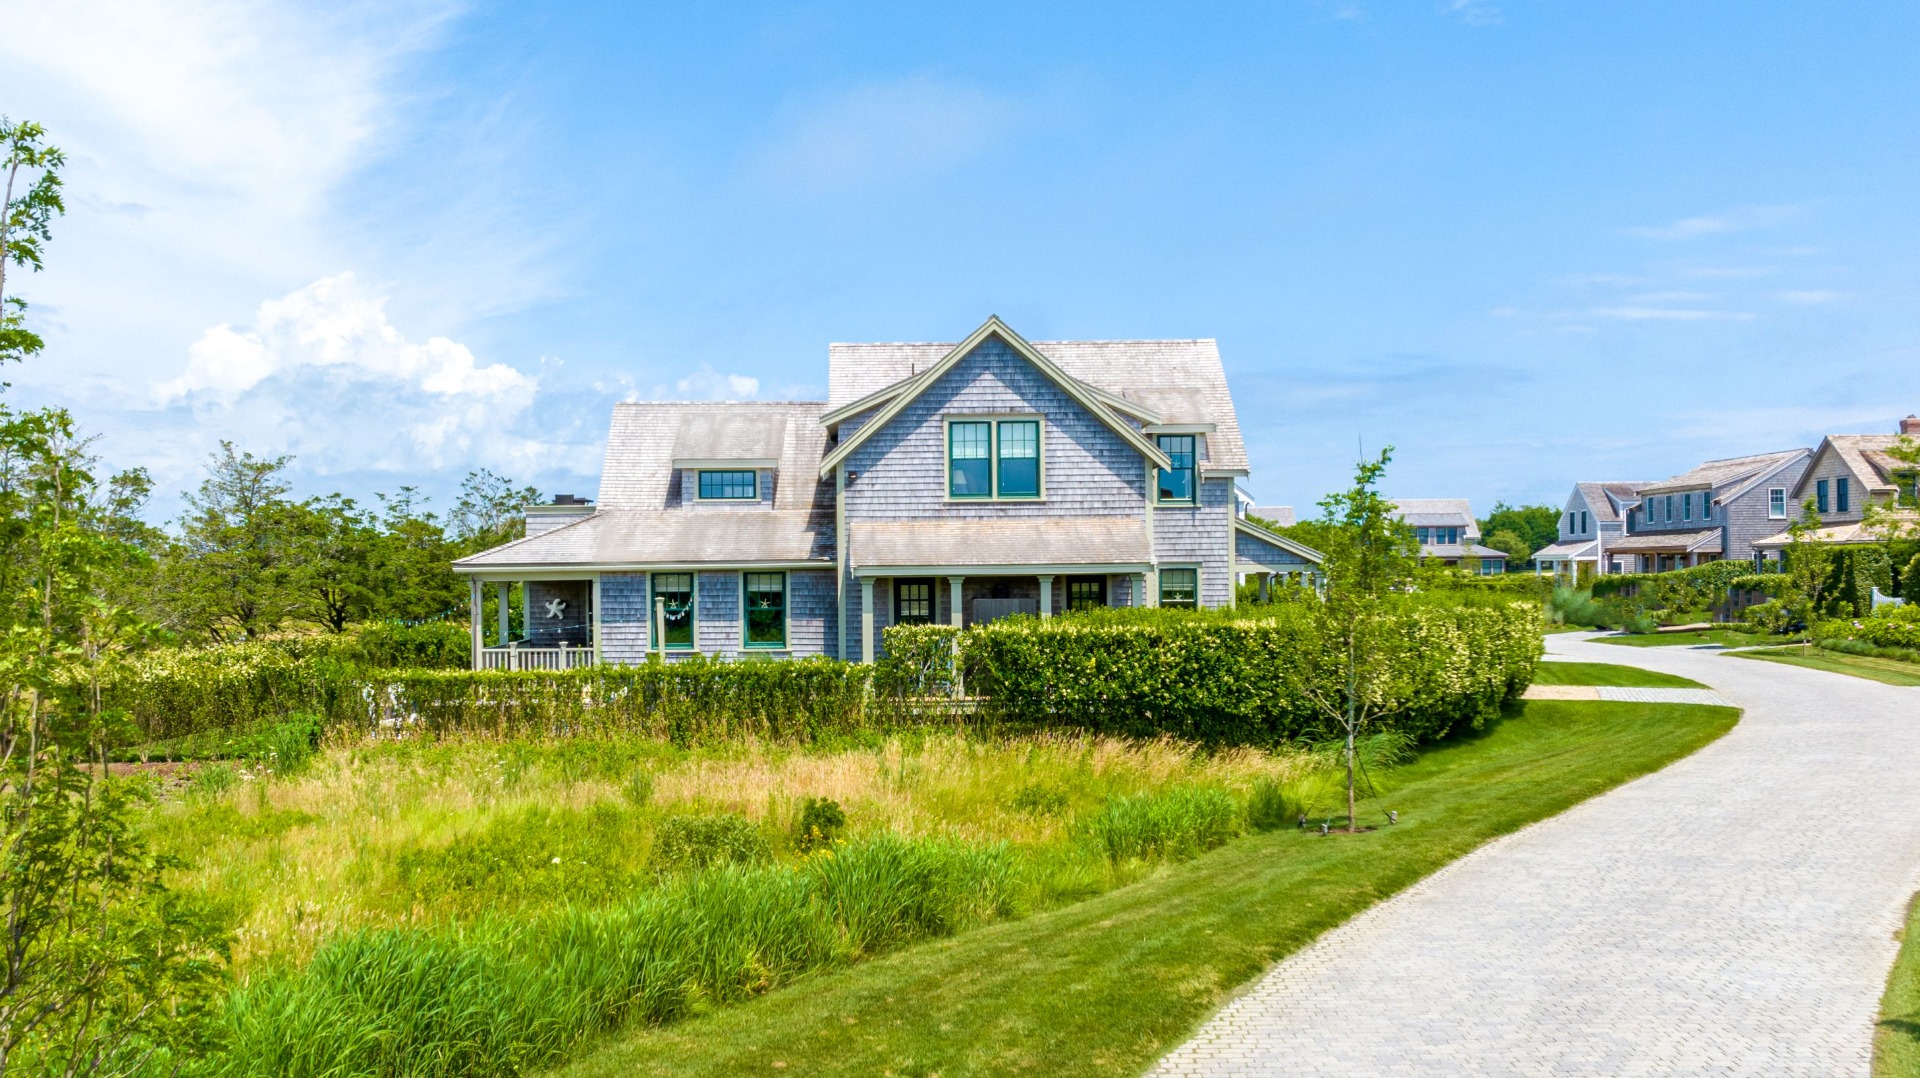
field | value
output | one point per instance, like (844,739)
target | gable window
(729,486)
(1777,503)
(913,602)
(1176,483)
(993,459)
(1086,592)
(1571,530)
(765,617)
(1820,496)
(673,602)
(1668,517)
(1180,588)
(1840,494)
(1686,506)
(1706,505)
(1585,522)
(1019,458)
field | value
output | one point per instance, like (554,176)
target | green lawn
(1889,671)
(1104,987)
(1547,673)
(1724,637)
(1896,1044)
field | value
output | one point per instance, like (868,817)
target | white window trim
(1782,513)
(993,421)
(786,613)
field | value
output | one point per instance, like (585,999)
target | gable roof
(1155,381)
(1438,512)
(1740,473)
(1603,499)
(916,384)
(630,538)
(1865,455)
(648,436)
(1271,538)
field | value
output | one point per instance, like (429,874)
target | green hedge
(1700,587)
(1887,627)
(1219,677)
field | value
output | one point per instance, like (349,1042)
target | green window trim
(913,601)
(992,459)
(1177,485)
(1180,588)
(763,611)
(731,485)
(1820,496)
(680,592)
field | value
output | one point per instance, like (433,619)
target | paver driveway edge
(1731,914)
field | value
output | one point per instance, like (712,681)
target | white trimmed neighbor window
(763,614)
(673,601)
(993,459)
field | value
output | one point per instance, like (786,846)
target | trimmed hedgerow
(1221,677)
(1697,588)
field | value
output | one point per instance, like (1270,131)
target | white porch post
(502,592)
(596,619)
(1046,597)
(955,616)
(866,619)
(1140,590)
(474,614)
(1266,587)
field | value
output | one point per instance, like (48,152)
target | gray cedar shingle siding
(810,626)
(1196,535)
(716,619)
(1254,552)
(572,627)
(623,617)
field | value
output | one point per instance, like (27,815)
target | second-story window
(1777,503)
(1669,512)
(1176,483)
(1585,522)
(1686,506)
(1019,458)
(1820,495)
(970,460)
(729,486)
(1841,494)
(993,458)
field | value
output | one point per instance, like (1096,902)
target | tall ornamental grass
(502,997)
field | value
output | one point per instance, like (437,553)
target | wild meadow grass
(482,906)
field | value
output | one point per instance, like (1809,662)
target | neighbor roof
(1700,541)
(1054,541)
(1603,499)
(1438,512)
(1865,456)
(1731,472)
(1571,549)
(647,437)
(613,538)
(1171,382)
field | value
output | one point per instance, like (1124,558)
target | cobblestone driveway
(1732,914)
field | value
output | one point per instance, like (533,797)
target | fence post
(513,655)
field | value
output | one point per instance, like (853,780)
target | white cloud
(1477,12)
(1741,220)
(1671,297)
(322,373)
(885,132)
(1670,314)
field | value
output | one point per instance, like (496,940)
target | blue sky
(1525,243)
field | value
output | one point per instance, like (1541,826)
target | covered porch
(558,621)
(965,596)
(1661,552)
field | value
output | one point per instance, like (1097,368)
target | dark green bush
(819,824)
(697,842)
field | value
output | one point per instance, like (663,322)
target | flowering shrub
(1888,627)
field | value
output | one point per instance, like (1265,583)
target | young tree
(335,548)
(1512,544)
(1536,525)
(1352,668)
(414,561)
(1809,565)
(491,511)
(27,208)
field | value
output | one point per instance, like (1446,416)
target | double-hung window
(1820,495)
(729,486)
(673,605)
(1841,499)
(764,596)
(1180,588)
(1777,503)
(1176,483)
(913,602)
(993,458)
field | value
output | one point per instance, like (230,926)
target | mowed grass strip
(1896,1041)
(1724,637)
(1886,671)
(1108,985)
(1610,674)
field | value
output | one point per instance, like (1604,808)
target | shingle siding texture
(572,626)
(1254,552)
(623,618)
(1746,517)
(810,625)
(716,620)
(1197,535)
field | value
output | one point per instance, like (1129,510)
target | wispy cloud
(885,132)
(1669,314)
(1741,220)
(1477,12)
(1811,297)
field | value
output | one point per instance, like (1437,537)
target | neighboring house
(939,483)
(1281,516)
(1848,473)
(1718,510)
(1593,519)
(1448,532)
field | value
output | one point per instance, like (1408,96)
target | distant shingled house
(949,483)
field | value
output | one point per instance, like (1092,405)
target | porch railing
(515,657)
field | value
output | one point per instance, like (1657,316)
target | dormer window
(993,458)
(1176,483)
(729,486)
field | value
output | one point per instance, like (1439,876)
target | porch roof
(1574,550)
(615,538)
(1700,541)
(1053,542)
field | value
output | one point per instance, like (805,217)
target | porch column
(595,630)
(866,619)
(956,616)
(1046,597)
(1140,590)
(1266,587)
(474,613)
(502,592)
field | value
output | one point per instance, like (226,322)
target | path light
(1323,829)
(1303,819)
(1393,816)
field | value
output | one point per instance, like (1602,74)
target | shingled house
(1715,511)
(1591,522)
(949,483)
(1448,533)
